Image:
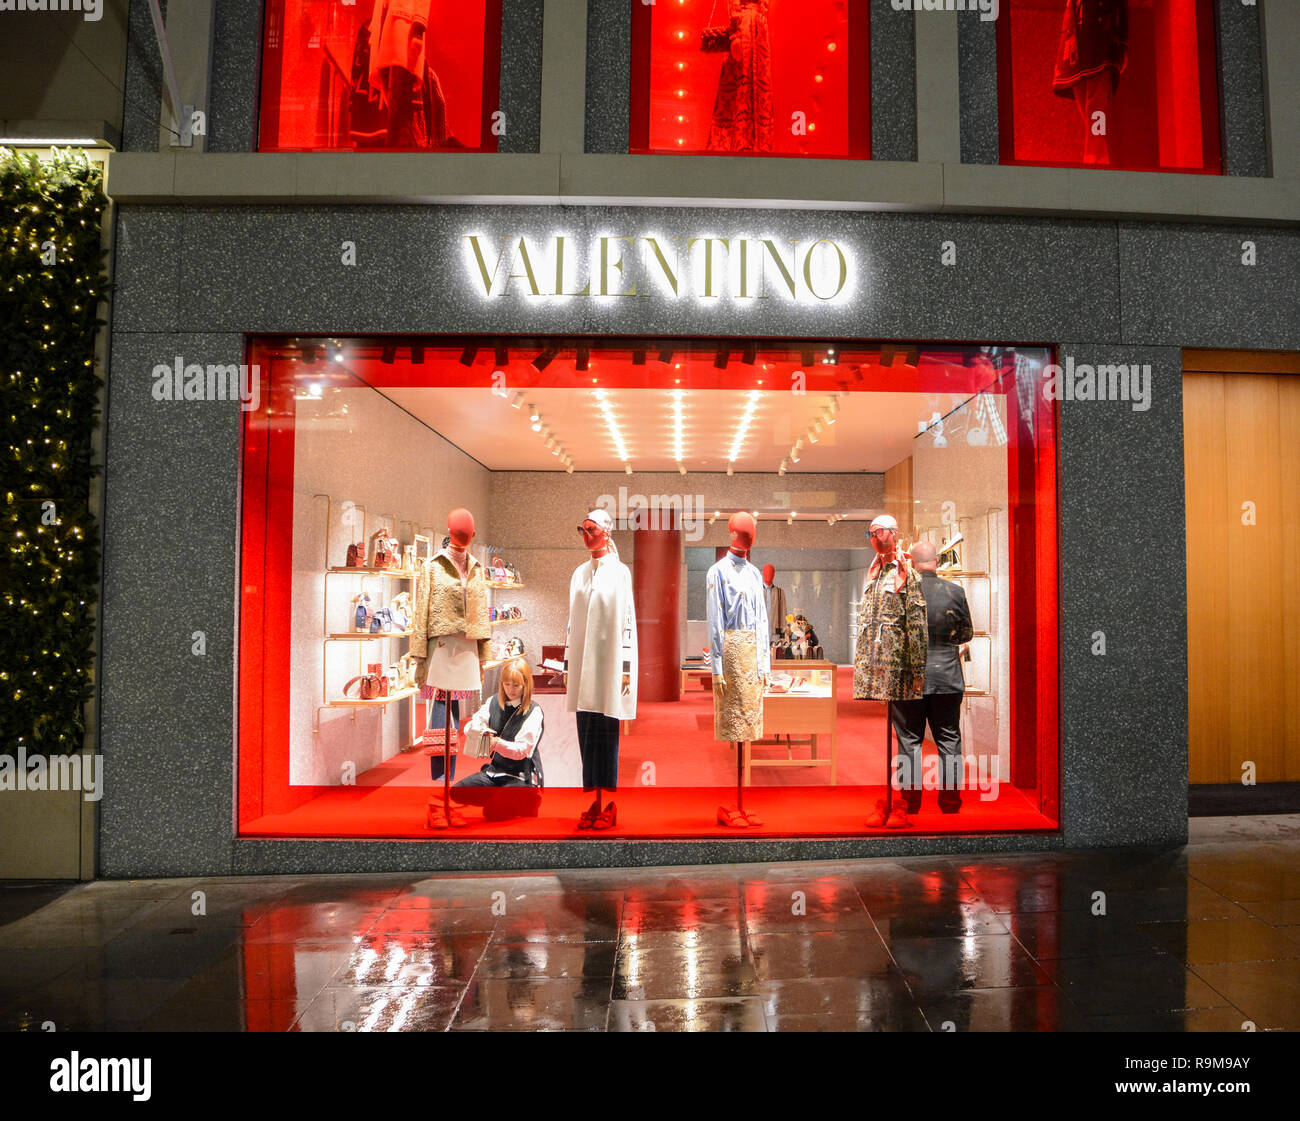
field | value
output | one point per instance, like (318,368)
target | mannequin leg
(442,816)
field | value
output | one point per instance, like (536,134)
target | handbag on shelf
(400,610)
(370,686)
(361,620)
(383,551)
(515,648)
(357,555)
(715,37)
(381,622)
(406,671)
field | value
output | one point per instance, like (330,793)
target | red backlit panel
(380,75)
(1109,83)
(751,77)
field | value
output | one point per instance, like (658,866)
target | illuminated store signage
(813,271)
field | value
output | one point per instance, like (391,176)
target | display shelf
(361,636)
(497,586)
(374,702)
(502,622)
(391,573)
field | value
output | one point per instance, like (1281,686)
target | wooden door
(1241,435)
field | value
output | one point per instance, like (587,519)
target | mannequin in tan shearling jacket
(451,601)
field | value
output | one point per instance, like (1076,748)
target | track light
(417,355)
(533,414)
(681,467)
(638,357)
(387,354)
(517,401)
(569,468)
(583,358)
(536,426)
(794,456)
(543,360)
(628,468)
(468,355)
(665,356)
(806,358)
(731,467)
(502,354)
(751,353)
(721,359)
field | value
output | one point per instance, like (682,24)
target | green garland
(52,282)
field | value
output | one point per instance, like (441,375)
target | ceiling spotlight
(713,519)
(502,354)
(468,355)
(536,426)
(806,358)
(794,455)
(417,355)
(665,356)
(543,360)
(628,468)
(832,358)
(721,359)
(583,359)
(338,354)
(533,414)
(781,470)
(681,467)
(828,417)
(387,354)
(751,353)
(790,520)
(886,355)
(569,468)
(638,357)
(731,467)
(517,401)
(830,522)
(812,435)
(550,445)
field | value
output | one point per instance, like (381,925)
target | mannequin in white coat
(600,662)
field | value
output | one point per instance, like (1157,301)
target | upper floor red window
(1128,84)
(380,75)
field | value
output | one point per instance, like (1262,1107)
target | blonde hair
(517,668)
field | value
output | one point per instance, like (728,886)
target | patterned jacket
(441,607)
(893,634)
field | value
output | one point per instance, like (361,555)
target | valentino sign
(741,268)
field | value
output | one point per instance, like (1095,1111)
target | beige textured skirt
(738,709)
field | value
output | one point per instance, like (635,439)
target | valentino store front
(489,536)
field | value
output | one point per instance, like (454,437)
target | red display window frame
(264,792)
(643,129)
(271,77)
(1137,92)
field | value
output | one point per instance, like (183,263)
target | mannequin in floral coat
(742,111)
(1092,54)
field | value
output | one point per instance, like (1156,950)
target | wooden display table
(799,718)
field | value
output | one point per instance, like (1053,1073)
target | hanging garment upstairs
(742,110)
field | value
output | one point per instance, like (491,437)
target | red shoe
(733,819)
(897,818)
(607,818)
(877,819)
(752,818)
(439,818)
(588,819)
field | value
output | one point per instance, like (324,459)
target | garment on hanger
(739,649)
(742,108)
(775,600)
(889,658)
(1093,41)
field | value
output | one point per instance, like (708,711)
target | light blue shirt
(737,602)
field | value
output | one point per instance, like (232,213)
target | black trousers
(942,711)
(501,798)
(598,743)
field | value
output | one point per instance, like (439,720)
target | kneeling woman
(509,729)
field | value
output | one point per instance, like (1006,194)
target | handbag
(715,37)
(381,621)
(357,555)
(515,648)
(361,621)
(371,686)
(400,610)
(383,549)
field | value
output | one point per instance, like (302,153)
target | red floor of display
(677,737)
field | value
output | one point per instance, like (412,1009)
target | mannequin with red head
(775,607)
(769,574)
(460,527)
(741,527)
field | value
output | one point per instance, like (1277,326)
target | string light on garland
(52,281)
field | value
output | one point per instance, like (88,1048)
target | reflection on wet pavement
(1204,938)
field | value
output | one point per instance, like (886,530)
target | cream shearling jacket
(442,606)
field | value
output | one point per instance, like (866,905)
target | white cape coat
(602,636)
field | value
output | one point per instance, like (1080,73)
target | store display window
(493,587)
(380,76)
(1128,84)
(751,78)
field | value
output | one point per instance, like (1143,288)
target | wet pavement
(1202,938)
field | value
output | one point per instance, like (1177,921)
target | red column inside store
(656,582)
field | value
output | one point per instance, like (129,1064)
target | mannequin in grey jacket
(949,623)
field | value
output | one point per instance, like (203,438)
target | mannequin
(742,107)
(775,600)
(600,662)
(399,70)
(450,639)
(889,661)
(1092,54)
(740,654)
